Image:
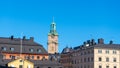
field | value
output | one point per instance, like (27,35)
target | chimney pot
(31,38)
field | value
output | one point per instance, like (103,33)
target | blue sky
(77,20)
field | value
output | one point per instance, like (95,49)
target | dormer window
(12,49)
(31,50)
(38,50)
(3,48)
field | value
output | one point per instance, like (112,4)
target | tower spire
(52,38)
(53,28)
(53,18)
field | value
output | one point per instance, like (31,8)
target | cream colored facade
(97,56)
(110,58)
(21,63)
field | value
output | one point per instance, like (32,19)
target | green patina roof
(55,33)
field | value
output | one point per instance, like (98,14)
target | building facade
(52,39)
(93,55)
(21,63)
(11,49)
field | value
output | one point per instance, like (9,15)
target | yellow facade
(21,63)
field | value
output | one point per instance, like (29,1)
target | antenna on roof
(21,45)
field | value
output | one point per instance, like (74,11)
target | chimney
(100,41)
(12,37)
(111,42)
(84,43)
(32,39)
(24,37)
(92,42)
(88,41)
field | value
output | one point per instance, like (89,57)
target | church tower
(52,39)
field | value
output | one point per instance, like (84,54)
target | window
(27,57)
(74,61)
(107,66)
(20,66)
(12,57)
(81,61)
(114,59)
(107,51)
(100,59)
(4,57)
(92,51)
(88,52)
(107,59)
(28,66)
(43,58)
(31,50)
(88,59)
(12,49)
(3,48)
(84,66)
(37,67)
(114,52)
(21,60)
(92,59)
(115,67)
(38,57)
(32,57)
(100,66)
(81,53)
(81,66)
(88,66)
(84,53)
(39,50)
(99,51)
(84,59)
